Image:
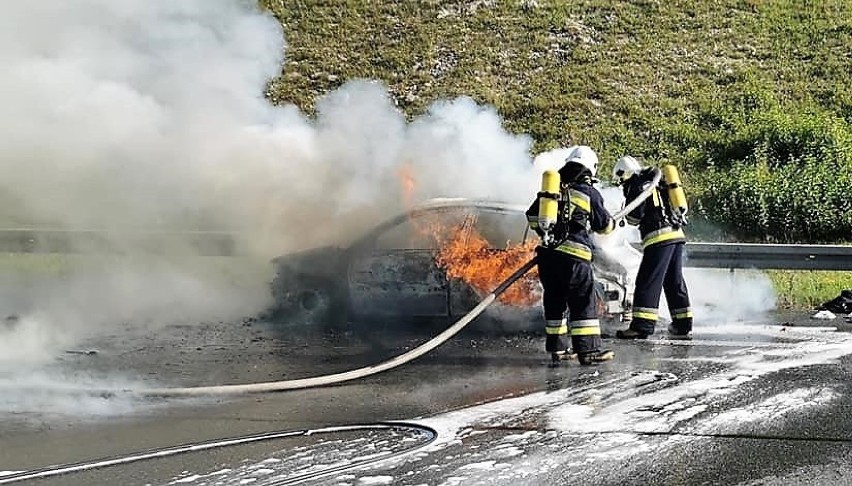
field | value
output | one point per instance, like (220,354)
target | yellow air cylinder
(548,204)
(677,198)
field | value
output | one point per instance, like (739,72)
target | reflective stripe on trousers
(683,313)
(647,313)
(586,327)
(556,326)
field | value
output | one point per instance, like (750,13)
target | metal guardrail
(116,242)
(698,255)
(766,256)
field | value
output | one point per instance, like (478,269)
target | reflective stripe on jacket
(655,225)
(581,210)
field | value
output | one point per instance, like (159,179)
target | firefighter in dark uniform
(564,262)
(661,227)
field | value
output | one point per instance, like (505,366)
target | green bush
(792,183)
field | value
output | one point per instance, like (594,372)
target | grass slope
(653,78)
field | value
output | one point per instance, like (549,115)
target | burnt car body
(390,274)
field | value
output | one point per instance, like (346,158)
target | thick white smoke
(149,115)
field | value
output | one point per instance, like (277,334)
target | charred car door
(396,275)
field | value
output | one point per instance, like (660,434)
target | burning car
(433,263)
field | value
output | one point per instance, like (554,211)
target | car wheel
(306,302)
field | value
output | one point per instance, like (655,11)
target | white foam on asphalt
(375,480)
(619,424)
(663,410)
(781,406)
(603,422)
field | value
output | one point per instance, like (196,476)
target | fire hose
(429,436)
(325,380)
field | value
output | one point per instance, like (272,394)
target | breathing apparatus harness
(548,205)
(553,220)
(667,195)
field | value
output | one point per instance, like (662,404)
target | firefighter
(564,261)
(660,218)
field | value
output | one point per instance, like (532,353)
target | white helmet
(585,156)
(625,167)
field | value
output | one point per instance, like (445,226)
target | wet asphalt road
(745,403)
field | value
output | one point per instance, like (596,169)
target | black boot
(630,334)
(596,357)
(678,334)
(559,356)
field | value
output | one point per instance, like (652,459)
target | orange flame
(474,261)
(406,178)
(465,255)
